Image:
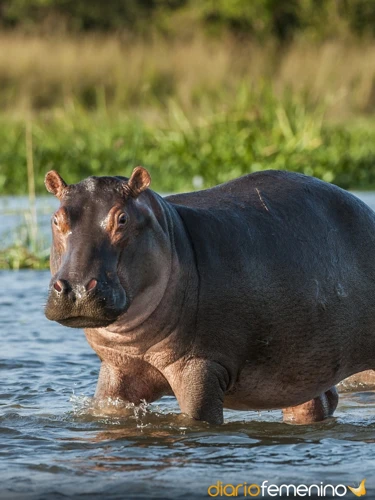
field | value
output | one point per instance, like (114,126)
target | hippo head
(105,248)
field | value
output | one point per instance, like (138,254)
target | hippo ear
(54,183)
(139,181)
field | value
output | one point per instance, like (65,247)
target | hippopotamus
(256,294)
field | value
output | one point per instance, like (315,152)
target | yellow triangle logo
(360,491)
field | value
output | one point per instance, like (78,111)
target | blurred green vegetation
(257,131)
(26,249)
(259,18)
(20,257)
(199,92)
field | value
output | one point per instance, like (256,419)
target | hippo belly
(327,339)
(258,389)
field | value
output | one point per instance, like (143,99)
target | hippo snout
(93,304)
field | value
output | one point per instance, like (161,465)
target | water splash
(117,408)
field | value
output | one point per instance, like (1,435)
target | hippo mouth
(89,310)
(82,320)
(85,322)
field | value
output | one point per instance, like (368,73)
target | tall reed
(31,215)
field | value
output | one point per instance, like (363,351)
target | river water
(55,443)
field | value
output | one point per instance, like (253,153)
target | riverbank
(18,257)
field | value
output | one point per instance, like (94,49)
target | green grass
(254,131)
(26,250)
(20,257)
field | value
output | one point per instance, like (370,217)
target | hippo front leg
(135,382)
(312,411)
(110,383)
(199,386)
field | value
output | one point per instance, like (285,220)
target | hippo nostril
(91,285)
(58,286)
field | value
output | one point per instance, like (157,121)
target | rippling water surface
(55,443)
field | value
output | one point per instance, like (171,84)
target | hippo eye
(121,219)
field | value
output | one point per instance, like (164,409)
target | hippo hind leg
(312,411)
(363,381)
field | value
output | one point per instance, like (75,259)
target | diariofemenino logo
(220,489)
